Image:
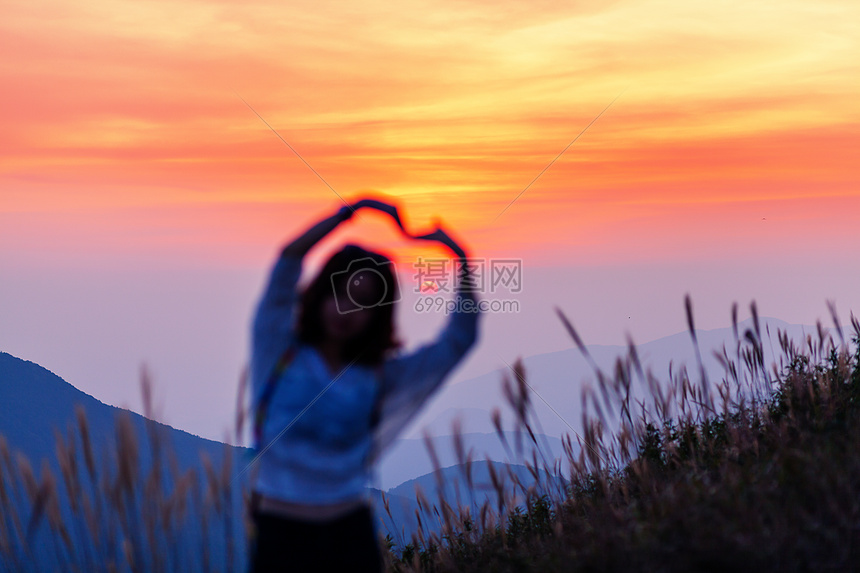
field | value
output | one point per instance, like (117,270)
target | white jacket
(326,453)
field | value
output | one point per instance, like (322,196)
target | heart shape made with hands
(437,235)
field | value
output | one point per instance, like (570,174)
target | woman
(331,394)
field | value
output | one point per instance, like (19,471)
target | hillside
(35,403)
(766,483)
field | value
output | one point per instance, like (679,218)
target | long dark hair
(370,346)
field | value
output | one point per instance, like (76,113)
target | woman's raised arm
(272,329)
(304,242)
(409,380)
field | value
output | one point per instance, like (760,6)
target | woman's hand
(391,210)
(309,238)
(443,237)
(437,235)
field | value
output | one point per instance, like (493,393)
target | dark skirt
(347,543)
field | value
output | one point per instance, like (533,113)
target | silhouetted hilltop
(34,402)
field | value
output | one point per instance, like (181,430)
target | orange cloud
(122,130)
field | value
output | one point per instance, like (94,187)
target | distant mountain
(457,487)
(557,378)
(34,403)
(454,482)
(408,458)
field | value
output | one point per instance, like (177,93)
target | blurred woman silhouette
(331,391)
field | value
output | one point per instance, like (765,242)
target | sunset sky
(142,202)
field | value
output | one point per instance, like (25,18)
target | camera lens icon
(364,285)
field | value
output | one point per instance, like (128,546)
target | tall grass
(758,471)
(124,506)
